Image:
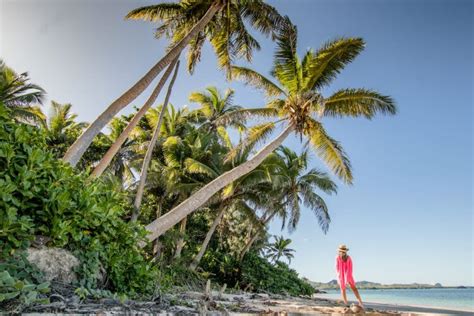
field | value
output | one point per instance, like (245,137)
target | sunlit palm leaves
(300,101)
(215,109)
(21,96)
(358,102)
(61,120)
(227,32)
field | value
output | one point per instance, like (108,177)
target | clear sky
(409,215)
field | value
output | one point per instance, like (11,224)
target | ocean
(448,298)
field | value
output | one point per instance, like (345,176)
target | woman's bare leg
(356,293)
(344,296)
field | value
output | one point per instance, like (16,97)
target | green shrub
(42,195)
(260,275)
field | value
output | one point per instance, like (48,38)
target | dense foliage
(260,275)
(43,196)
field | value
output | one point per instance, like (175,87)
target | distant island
(367,285)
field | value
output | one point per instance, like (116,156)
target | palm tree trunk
(113,150)
(180,243)
(157,244)
(168,220)
(254,238)
(75,152)
(206,241)
(146,161)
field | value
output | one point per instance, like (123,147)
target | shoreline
(407,308)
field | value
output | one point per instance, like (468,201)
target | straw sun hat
(343,248)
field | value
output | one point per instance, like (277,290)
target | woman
(344,274)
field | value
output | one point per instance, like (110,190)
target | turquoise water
(443,298)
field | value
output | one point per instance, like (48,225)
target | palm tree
(301,107)
(20,96)
(60,122)
(190,22)
(60,126)
(292,186)
(296,186)
(216,110)
(175,122)
(278,249)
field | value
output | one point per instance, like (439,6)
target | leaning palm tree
(190,22)
(278,249)
(300,106)
(20,96)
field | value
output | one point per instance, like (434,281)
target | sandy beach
(214,303)
(249,303)
(271,304)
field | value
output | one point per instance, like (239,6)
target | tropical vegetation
(167,197)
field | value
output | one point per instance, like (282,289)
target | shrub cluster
(260,275)
(41,195)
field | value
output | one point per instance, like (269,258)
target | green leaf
(19,284)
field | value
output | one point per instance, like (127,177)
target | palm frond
(323,66)
(242,115)
(156,12)
(170,147)
(194,51)
(319,180)
(224,136)
(316,204)
(293,206)
(358,102)
(286,61)
(329,150)
(255,134)
(245,43)
(286,40)
(223,48)
(262,16)
(256,80)
(29,115)
(194,166)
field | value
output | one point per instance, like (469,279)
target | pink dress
(344,272)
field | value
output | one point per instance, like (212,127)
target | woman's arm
(349,267)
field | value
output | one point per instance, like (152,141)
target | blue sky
(409,215)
